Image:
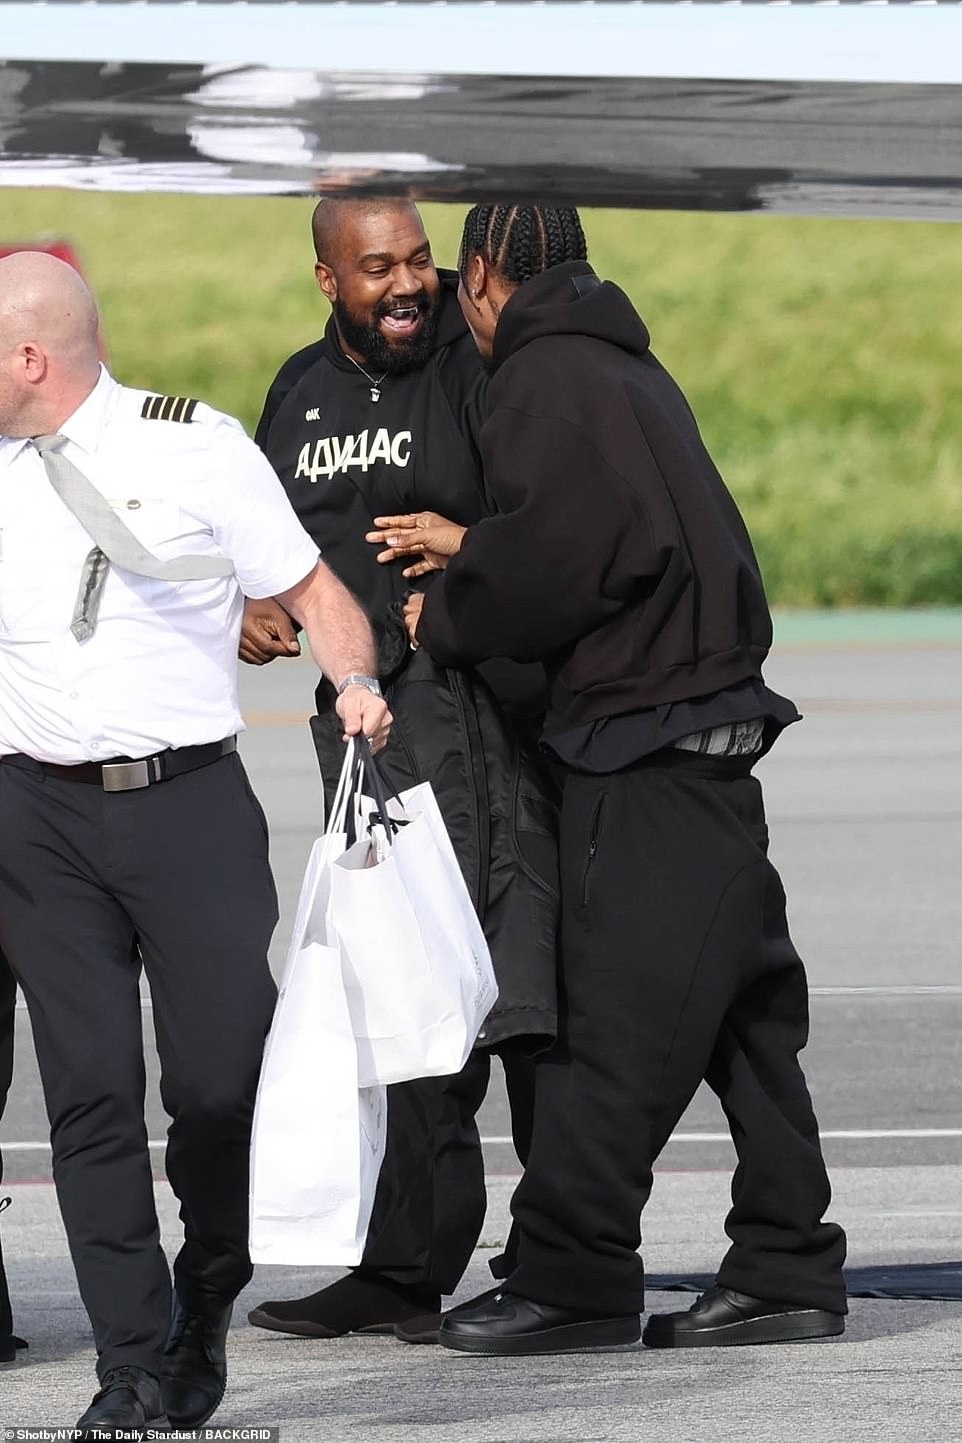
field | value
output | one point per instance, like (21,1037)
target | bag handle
(375,782)
(337,822)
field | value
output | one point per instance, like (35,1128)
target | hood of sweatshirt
(569,300)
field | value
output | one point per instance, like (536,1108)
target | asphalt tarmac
(865,810)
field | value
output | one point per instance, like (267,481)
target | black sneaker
(508,1325)
(722,1318)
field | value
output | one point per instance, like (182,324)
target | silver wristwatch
(371,682)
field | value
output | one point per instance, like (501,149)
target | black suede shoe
(422,1328)
(351,1305)
(722,1318)
(128,1402)
(505,1324)
(193,1375)
(426,1327)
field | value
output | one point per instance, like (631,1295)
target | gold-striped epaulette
(168,408)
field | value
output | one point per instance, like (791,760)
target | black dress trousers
(430,1203)
(8,995)
(676,965)
(92,882)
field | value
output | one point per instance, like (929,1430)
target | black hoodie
(618,557)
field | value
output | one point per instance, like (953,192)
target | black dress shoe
(9,1342)
(193,1376)
(505,1324)
(723,1318)
(9,1346)
(128,1402)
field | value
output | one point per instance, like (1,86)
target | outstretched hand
(421,533)
(266,632)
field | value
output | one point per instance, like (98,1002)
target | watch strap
(357,679)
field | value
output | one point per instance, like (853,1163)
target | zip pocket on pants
(592,848)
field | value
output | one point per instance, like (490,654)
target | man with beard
(381,417)
(393,392)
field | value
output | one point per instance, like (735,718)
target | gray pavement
(865,808)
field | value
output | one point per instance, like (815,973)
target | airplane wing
(815,108)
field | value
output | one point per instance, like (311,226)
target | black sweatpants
(8,996)
(677,965)
(430,1202)
(91,882)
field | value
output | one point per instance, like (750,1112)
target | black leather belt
(122,774)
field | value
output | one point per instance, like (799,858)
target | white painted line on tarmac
(940,989)
(45,1146)
(947,989)
(853,1135)
(866,1134)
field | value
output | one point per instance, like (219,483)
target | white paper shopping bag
(417,970)
(318,1136)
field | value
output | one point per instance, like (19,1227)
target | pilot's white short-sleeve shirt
(161,667)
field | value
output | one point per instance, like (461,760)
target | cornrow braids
(521,241)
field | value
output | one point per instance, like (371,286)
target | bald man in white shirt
(131,837)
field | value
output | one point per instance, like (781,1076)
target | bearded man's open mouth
(402,319)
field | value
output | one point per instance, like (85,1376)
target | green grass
(823,358)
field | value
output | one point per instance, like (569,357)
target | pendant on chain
(375,394)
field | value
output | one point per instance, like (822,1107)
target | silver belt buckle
(125,776)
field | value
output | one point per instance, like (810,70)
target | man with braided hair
(619,560)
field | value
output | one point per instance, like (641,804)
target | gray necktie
(115,542)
